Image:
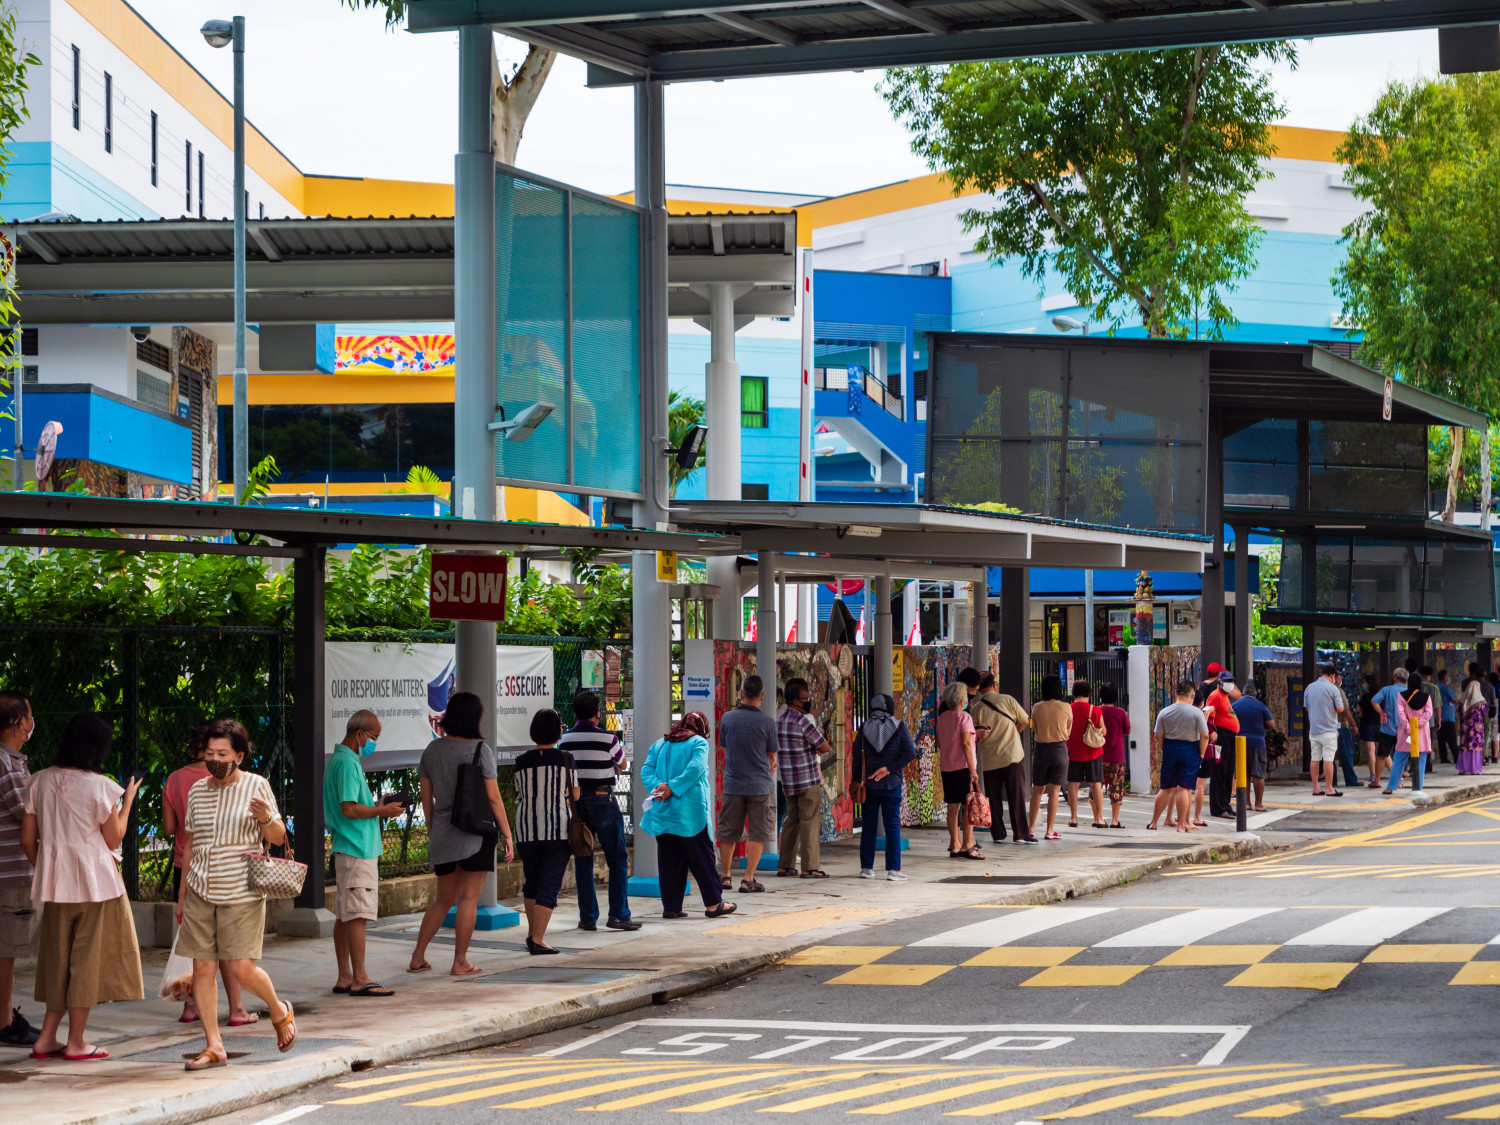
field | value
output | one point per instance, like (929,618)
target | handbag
(1093,736)
(978,808)
(471,800)
(580,836)
(271,876)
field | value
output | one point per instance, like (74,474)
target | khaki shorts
(20,922)
(1323,747)
(747,817)
(221,932)
(88,955)
(358,888)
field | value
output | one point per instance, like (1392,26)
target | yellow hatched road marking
(1478,972)
(1421,954)
(607,1087)
(1084,976)
(1155,1093)
(840,954)
(1465,1074)
(443,1083)
(1329,1077)
(1322,975)
(1483,1113)
(817,1101)
(892,974)
(529,1084)
(954,1092)
(729,1101)
(1024,956)
(1038,1097)
(1417,1105)
(409,1075)
(1198,956)
(691,1088)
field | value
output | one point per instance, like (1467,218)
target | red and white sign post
(467,588)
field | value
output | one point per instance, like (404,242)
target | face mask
(367,749)
(219,768)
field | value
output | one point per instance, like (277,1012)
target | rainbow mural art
(394,355)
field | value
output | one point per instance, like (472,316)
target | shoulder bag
(1093,733)
(472,812)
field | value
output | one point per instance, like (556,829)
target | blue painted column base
(905,843)
(647,886)
(768,861)
(487,918)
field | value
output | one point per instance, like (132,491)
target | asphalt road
(1353,977)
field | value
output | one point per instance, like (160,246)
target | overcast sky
(339,94)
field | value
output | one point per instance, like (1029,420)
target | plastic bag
(177,977)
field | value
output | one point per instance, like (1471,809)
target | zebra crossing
(1254,947)
(1366,1090)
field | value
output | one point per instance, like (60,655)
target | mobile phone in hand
(139,776)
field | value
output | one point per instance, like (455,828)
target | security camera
(141,333)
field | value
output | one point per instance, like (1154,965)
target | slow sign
(467,588)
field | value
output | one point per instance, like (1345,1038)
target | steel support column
(1015,633)
(721,410)
(1211,642)
(309,918)
(1244,642)
(979,614)
(651,607)
(766,626)
(881,658)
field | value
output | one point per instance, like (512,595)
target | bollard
(1241,783)
(1416,747)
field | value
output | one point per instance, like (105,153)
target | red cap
(1215,669)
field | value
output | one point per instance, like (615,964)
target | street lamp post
(221,33)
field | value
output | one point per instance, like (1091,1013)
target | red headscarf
(694,722)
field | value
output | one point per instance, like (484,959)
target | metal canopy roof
(299,271)
(942,536)
(677,40)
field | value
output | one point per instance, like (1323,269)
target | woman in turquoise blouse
(678,811)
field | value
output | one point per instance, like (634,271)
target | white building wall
(127,167)
(105,357)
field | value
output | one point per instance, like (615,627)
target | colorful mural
(1166,667)
(394,355)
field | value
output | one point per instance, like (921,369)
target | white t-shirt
(1181,722)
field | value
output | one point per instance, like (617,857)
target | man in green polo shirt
(353,820)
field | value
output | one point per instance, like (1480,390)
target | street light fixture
(1068,323)
(524,424)
(221,33)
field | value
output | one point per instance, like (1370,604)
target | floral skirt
(1114,780)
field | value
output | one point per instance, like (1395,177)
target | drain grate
(996,880)
(1138,847)
(538,975)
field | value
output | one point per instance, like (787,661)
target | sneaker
(19,1033)
(590,926)
(867,873)
(628,924)
(896,877)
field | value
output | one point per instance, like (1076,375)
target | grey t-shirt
(439,765)
(1181,722)
(748,736)
(1321,698)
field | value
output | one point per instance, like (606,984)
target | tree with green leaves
(1422,272)
(513,96)
(14,63)
(1126,173)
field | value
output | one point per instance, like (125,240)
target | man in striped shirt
(20,918)
(598,757)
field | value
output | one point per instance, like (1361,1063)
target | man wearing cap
(1226,727)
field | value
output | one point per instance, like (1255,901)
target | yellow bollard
(1241,783)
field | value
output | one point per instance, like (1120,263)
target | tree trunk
(514,99)
(1455,470)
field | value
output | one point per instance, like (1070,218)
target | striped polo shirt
(596,752)
(223,830)
(15,868)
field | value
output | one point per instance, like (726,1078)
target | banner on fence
(408,687)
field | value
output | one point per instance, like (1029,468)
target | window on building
(77,88)
(754,414)
(153,150)
(109,112)
(200,183)
(373,444)
(30,342)
(153,392)
(755,491)
(187,197)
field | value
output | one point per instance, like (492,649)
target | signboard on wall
(408,687)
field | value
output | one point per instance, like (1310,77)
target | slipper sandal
(206,1059)
(719,911)
(277,1025)
(725,882)
(1117,826)
(1072,824)
(815,873)
(973,853)
(751,886)
(342,989)
(246,1023)
(1151,827)
(424,967)
(1101,824)
(57,1054)
(1200,824)
(792,874)
(1334,793)
(1052,836)
(96,1053)
(372,989)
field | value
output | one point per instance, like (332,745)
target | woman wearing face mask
(229,813)
(676,780)
(174,795)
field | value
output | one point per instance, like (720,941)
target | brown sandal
(207,1058)
(277,1025)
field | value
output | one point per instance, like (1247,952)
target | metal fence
(1097,668)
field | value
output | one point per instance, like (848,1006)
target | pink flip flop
(97,1053)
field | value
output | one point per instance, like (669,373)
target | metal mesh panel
(1397,578)
(532,310)
(606,347)
(1024,474)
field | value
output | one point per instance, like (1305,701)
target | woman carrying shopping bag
(679,803)
(223,918)
(73,824)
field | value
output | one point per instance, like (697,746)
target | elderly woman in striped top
(222,920)
(545,784)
